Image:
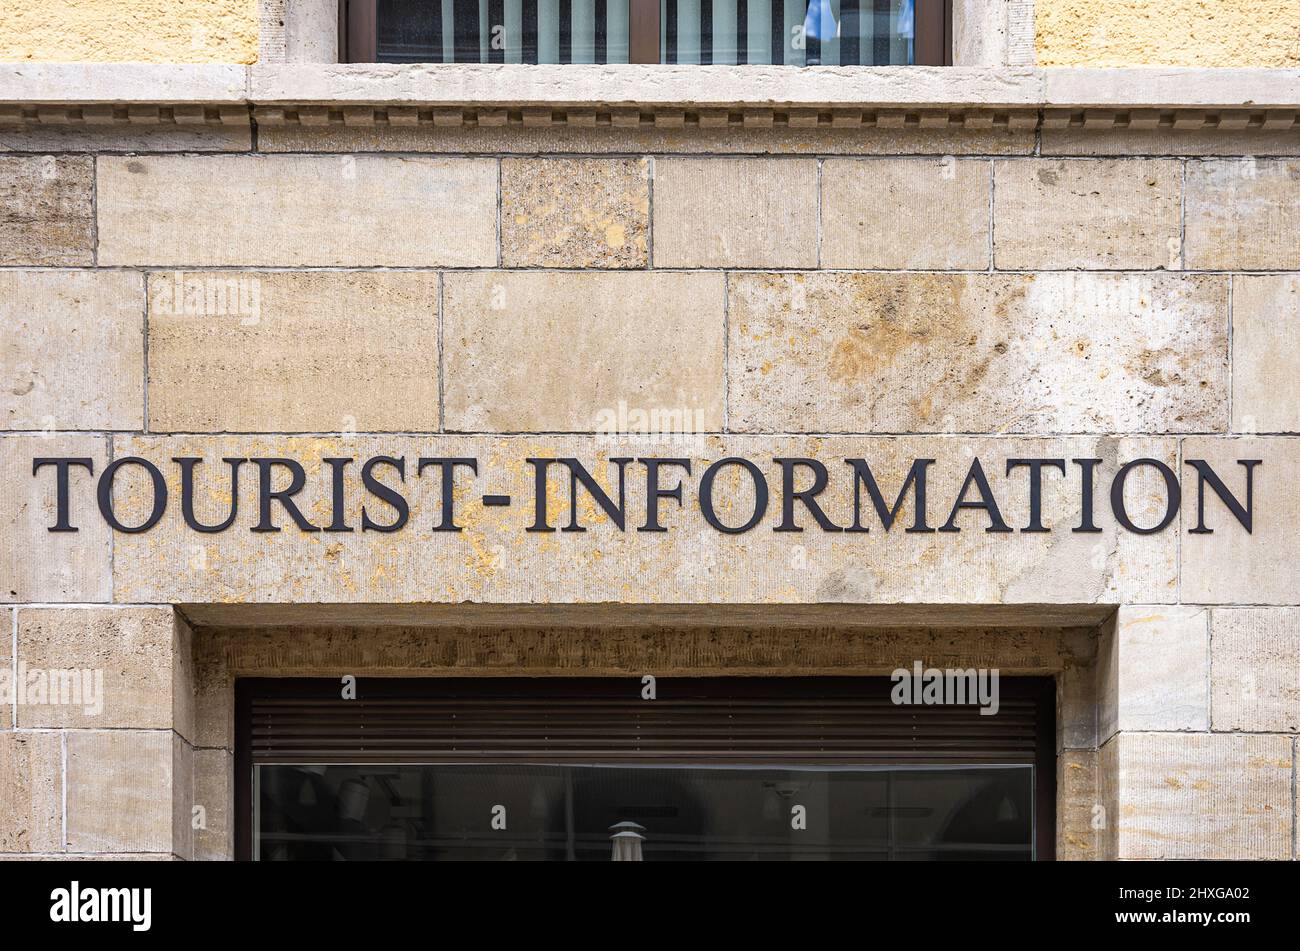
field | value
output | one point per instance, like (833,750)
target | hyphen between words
(799,483)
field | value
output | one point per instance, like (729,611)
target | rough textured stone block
(7,620)
(35,563)
(1049,213)
(1230,566)
(905,213)
(214,790)
(495,560)
(285,352)
(46,212)
(72,354)
(353,210)
(977,353)
(1153,670)
(136,653)
(1255,667)
(1076,796)
(1076,694)
(647,139)
(31,788)
(537,351)
(1243,213)
(1108,799)
(182,798)
(1167,140)
(1265,353)
(119,791)
(735,212)
(1203,796)
(579,213)
(128,137)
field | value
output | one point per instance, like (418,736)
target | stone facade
(298,276)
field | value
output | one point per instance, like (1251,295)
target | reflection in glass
(502,31)
(780,32)
(637,813)
(788,32)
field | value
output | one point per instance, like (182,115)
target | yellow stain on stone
(1110,33)
(137,31)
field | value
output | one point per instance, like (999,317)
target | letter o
(706,494)
(1172,489)
(104,493)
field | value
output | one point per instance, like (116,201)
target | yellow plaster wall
(1167,32)
(150,31)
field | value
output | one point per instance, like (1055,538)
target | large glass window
(473,812)
(769,32)
(789,32)
(541,768)
(502,31)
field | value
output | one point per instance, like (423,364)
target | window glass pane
(502,31)
(788,32)
(647,813)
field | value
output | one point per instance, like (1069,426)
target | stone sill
(650,88)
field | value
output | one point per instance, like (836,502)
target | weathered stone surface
(752,85)
(535,352)
(46,209)
(1050,213)
(977,353)
(35,563)
(670,85)
(1153,670)
(214,790)
(214,698)
(646,138)
(1229,566)
(1202,796)
(1255,668)
(1265,353)
(119,790)
(1076,691)
(319,351)
(1076,797)
(117,82)
(183,798)
(725,212)
(1207,140)
(127,137)
(844,615)
(495,560)
(132,652)
(7,620)
(1243,213)
(673,650)
(72,355)
(905,213)
(292,210)
(1108,799)
(31,779)
(580,213)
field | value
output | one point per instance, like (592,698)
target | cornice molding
(673,97)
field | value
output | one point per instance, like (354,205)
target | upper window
(780,32)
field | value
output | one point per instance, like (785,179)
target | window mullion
(643,31)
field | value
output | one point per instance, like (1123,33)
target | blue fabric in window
(906,20)
(820,21)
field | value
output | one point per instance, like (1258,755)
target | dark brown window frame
(931,742)
(358,34)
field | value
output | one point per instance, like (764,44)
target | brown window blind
(733,720)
